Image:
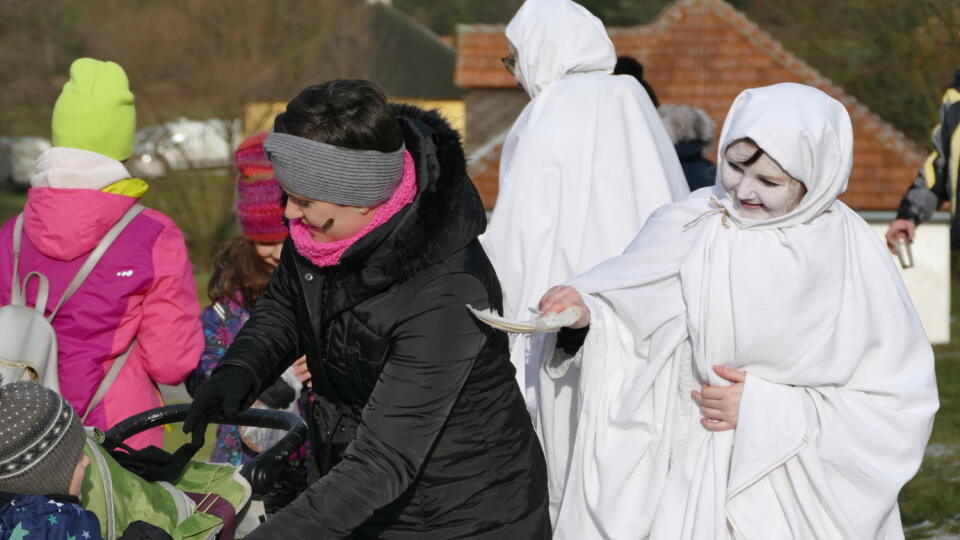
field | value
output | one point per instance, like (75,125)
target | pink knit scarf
(325,254)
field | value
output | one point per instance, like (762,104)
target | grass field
(930,503)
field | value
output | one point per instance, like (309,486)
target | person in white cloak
(754,367)
(582,168)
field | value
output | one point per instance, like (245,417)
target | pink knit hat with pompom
(258,193)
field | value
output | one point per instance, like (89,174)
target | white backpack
(28,343)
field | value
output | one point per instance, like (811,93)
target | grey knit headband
(333,174)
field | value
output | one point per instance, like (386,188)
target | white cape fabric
(582,168)
(840,394)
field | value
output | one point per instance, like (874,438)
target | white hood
(73,168)
(810,136)
(554,38)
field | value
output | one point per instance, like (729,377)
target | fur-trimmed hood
(446,214)
(685,123)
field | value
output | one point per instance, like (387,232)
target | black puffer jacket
(424,433)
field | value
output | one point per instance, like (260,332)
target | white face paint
(760,188)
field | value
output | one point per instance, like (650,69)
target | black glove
(279,395)
(141,530)
(226,392)
(154,464)
(569,340)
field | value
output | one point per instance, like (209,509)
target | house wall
(928,281)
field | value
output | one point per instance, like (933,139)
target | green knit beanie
(95,110)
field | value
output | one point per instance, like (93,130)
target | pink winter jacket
(141,289)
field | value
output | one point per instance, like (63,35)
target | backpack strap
(43,291)
(95,256)
(16,293)
(107,381)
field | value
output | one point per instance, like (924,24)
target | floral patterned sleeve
(221,323)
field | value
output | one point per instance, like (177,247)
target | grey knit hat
(41,440)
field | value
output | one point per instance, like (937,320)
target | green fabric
(131,497)
(95,110)
(225,481)
(134,499)
(198,527)
(222,479)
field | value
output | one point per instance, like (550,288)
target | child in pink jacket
(141,291)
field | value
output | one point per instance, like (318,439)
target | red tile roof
(703,53)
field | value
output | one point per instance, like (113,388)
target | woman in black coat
(422,429)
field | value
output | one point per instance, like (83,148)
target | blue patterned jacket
(38,517)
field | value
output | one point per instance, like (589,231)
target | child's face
(269,253)
(759,187)
(78,473)
(328,222)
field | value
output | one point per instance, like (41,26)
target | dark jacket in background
(692,131)
(700,171)
(422,431)
(936,182)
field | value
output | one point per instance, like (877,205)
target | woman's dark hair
(627,65)
(350,113)
(239,273)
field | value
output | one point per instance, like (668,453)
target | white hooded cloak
(840,393)
(582,168)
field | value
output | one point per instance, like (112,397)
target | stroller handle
(260,470)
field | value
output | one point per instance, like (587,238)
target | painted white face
(760,188)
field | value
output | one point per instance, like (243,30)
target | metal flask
(904,253)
